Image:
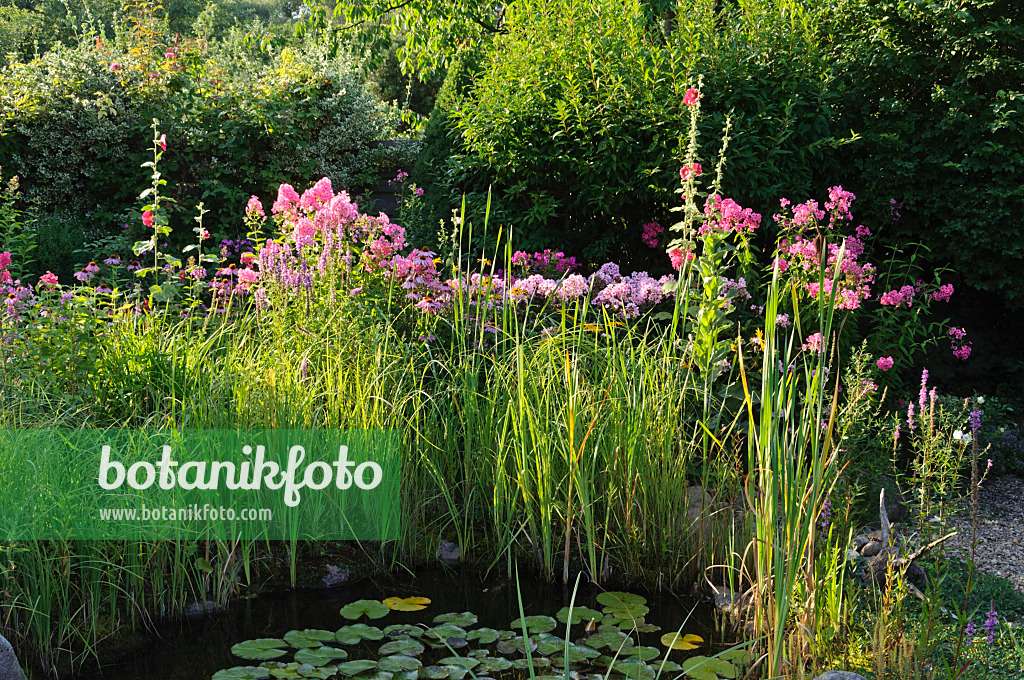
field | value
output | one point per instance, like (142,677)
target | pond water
(195,650)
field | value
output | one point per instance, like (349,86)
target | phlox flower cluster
(627,296)
(651,232)
(961,349)
(544,262)
(726,215)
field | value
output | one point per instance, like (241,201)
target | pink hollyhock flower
(687,170)
(203,235)
(147,218)
(162,141)
(884,363)
(691,97)
(678,257)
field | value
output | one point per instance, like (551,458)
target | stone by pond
(432,628)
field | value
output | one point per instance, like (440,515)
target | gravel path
(1000,529)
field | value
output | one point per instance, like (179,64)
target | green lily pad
(478,653)
(446,631)
(414,674)
(642,653)
(703,668)
(548,643)
(617,600)
(398,662)
(435,672)
(373,609)
(635,613)
(397,630)
(242,673)
(737,656)
(644,627)
(668,667)
(610,639)
(609,628)
(484,635)
(382,675)
(261,649)
(579,653)
(539,663)
(320,656)
(679,641)
(311,637)
(634,669)
(493,664)
(353,634)
(578,615)
(460,661)
(356,667)
(535,624)
(318,672)
(462,619)
(457,672)
(406,646)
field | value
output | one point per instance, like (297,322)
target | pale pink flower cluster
(627,296)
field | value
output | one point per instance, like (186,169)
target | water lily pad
(406,646)
(356,667)
(372,609)
(617,600)
(539,663)
(609,628)
(642,653)
(677,641)
(397,630)
(484,635)
(317,672)
(435,672)
(644,627)
(635,613)
(667,667)
(242,673)
(703,668)
(493,664)
(398,662)
(414,674)
(611,639)
(478,653)
(350,635)
(261,649)
(457,672)
(445,631)
(462,619)
(635,669)
(320,656)
(737,656)
(407,604)
(311,637)
(535,624)
(382,675)
(548,643)
(578,615)
(460,661)
(456,643)
(579,653)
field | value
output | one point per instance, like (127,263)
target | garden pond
(438,625)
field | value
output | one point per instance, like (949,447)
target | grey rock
(726,601)
(840,675)
(198,610)
(9,667)
(852,555)
(871,549)
(698,503)
(336,576)
(449,552)
(860,541)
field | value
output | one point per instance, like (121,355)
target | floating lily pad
(485,635)
(318,672)
(478,653)
(398,662)
(457,672)
(667,667)
(677,641)
(290,671)
(311,637)
(242,673)
(382,675)
(320,656)
(356,667)
(539,663)
(261,649)
(609,627)
(579,653)
(635,613)
(460,661)
(535,624)
(617,600)
(635,669)
(611,639)
(578,615)
(406,646)
(445,631)
(414,674)
(407,604)
(493,664)
(548,643)
(435,672)
(737,656)
(373,609)
(397,630)
(644,627)
(463,619)
(456,643)
(703,668)
(642,653)
(350,635)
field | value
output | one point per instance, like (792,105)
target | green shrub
(936,92)
(239,120)
(580,114)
